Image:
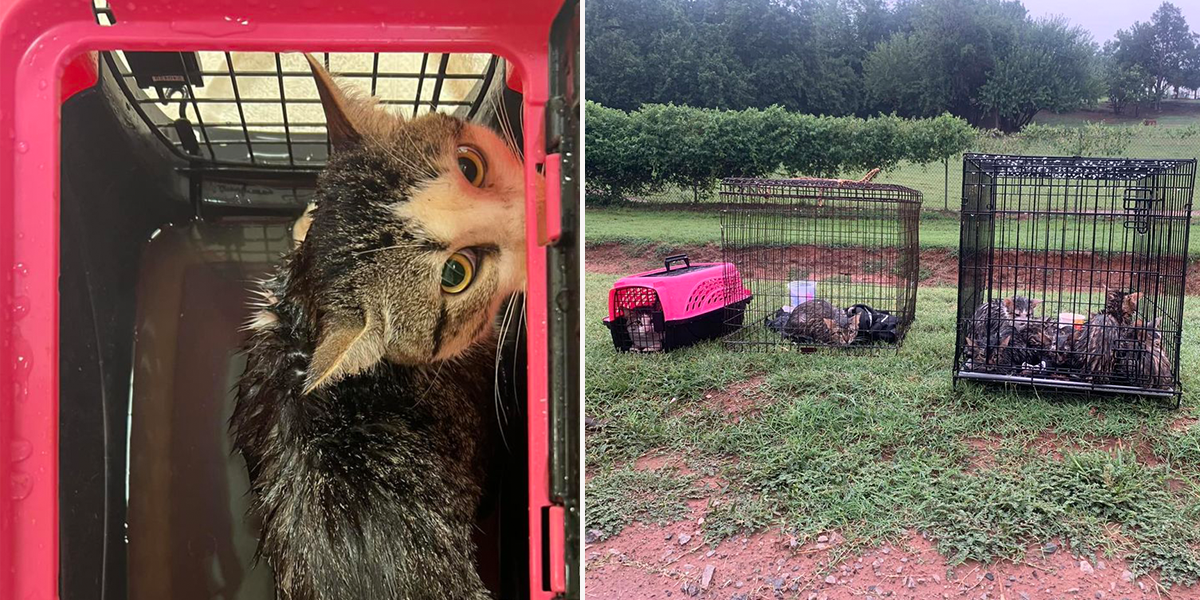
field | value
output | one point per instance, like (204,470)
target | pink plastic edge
(37,39)
(656,284)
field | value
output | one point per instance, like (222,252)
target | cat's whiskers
(498,401)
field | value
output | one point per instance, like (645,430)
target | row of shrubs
(643,151)
(692,148)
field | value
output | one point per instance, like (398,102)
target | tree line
(986,61)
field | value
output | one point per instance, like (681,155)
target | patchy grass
(644,226)
(647,225)
(874,446)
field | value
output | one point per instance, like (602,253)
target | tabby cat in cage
(992,326)
(1093,349)
(365,414)
(818,321)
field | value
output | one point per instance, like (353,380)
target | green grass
(646,226)
(873,446)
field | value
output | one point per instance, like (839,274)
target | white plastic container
(802,291)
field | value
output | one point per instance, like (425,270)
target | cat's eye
(472,165)
(457,272)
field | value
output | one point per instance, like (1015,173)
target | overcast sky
(1104,17)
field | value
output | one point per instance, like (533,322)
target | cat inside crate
(1110,345)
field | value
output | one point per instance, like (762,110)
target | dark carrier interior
(182,177)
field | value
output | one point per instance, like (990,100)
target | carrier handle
(677,258)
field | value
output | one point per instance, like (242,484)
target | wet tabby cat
(818,321)
(363,413)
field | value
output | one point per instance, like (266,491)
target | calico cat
(363,413)
(818,321)
(991,327)
(1099,340)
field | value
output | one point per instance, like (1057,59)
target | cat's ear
(1034,304)
(348,345)
(854,321)
(1008,303)
(1131,302)
(300,227)
(830,324)
(342,132)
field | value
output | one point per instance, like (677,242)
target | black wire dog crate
(1072,272)
(845,254)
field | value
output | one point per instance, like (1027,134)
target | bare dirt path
(651,562)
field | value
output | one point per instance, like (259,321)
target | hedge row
(629,153)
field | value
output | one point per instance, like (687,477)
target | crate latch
(1138,201)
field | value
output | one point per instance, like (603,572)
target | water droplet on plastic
(42,84)
(131,6)
(21,449)
(20,269)
(22,484)
(22,147)
(20,307)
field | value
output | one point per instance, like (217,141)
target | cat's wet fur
(991,328)
(817,321)
(365,412)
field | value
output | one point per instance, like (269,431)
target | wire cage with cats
(829,263)
(295,299)
(1072,272)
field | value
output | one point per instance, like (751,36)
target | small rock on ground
(684,539)
(1086,567)
(706,578)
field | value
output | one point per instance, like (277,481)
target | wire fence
(940,183)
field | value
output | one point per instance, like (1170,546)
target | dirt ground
(671,562)
(940,266)
(647,561)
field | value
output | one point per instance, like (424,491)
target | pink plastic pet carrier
(677,306)
(153,157)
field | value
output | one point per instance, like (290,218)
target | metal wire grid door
(1070,235)
(261,109)
(796,240)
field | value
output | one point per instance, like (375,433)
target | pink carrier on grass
(153,156)
(676,306)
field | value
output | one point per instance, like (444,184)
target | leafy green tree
(1050,68)
(1126,84)
(1164,48)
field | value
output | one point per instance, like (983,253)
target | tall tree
(1050,68)
(1163,48)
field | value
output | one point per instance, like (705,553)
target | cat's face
(417,238)
(843,334)
(1125,303)
(1020,307)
